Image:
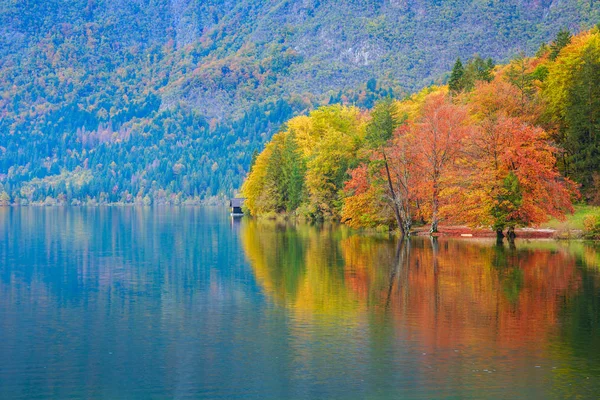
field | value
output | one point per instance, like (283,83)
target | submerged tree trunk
(511,233)
(499,234)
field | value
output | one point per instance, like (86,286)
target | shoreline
(446,231)
(522,233)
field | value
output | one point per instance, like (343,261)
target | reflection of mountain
(121,302)
(104,248)
(444,296)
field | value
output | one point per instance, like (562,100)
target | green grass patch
(574,221)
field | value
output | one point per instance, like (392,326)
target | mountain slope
(166,100)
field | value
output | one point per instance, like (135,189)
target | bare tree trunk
(394,197)
(434,210)
(407,226)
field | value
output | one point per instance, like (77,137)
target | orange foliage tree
(508,175)
(365,204)
(438,136)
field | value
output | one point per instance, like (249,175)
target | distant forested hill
(163,101)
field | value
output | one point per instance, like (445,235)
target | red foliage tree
(439,136)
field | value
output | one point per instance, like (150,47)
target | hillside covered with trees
(166,101)
(499,146)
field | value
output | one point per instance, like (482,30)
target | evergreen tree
(508,200)
(563,38)
(253,160)
(477,69)
(383,123)
(293,169)
(456,82)
(583,118)
(372,85)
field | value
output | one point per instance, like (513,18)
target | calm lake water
(142,303)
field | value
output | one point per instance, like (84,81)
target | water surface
(141,303)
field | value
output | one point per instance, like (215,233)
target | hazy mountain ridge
(211,80)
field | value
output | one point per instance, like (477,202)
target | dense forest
(499,146)
(166,101)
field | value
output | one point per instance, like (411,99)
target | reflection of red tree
(465,294)
(356,271)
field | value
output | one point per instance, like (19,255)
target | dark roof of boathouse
(237,202)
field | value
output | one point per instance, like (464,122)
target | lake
(143,303)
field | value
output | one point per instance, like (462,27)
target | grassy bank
(573,222)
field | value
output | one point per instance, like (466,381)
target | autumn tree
(503,96)
(510,177)
(258,191)
(369,191)
(404,167)
(306,164)
(439,136)
(339,131)
(365,204)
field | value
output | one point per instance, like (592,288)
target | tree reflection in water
(445,295)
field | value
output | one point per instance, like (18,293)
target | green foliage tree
(293,168)
(456,81)
(382,125)
(572,92)
(582,116)
(372,85)
(508,201)
(519,77)
(275,177)
(563,38)
(477,69)
(253,159)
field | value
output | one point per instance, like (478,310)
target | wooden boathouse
(236,205)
